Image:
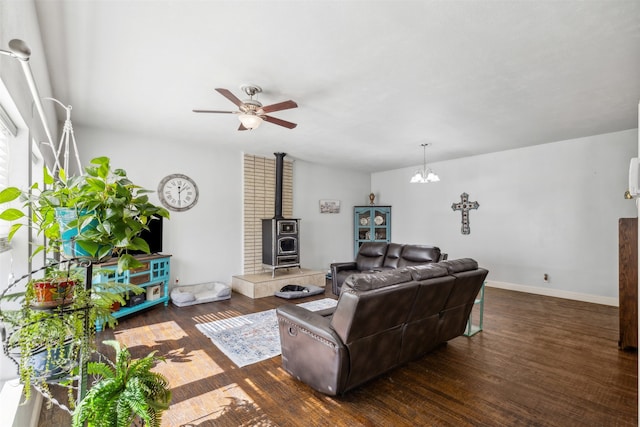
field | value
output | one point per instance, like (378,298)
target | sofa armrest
(341,266)
(311,350)
(336,268)
(310,321)
(326,312)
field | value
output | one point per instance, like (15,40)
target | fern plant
(127,391)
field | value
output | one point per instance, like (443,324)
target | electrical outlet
(545,277)
(177,281)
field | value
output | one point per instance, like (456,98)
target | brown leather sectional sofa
(381,321)
(380,256)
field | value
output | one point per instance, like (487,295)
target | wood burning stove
(280,245)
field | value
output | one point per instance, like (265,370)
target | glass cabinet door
(371,224)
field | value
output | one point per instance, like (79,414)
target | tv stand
(153,276)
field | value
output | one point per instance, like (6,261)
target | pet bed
(197,294)
(297,291)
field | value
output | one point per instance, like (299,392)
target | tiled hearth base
(263,285)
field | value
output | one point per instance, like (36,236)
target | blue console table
(153,276)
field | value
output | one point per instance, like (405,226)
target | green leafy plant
(49,340)
(110,211)
(126,391)
(108,214)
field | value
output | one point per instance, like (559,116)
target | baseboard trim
(596,299)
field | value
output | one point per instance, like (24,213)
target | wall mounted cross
(465,206)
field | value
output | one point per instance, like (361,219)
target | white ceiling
(373,79)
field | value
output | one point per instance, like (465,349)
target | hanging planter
(88,216)
(76,230)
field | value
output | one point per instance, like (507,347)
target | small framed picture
(329,206)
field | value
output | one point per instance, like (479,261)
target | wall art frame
(329,206)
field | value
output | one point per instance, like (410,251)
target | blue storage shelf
(155,271)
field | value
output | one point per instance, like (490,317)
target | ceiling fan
(251,112)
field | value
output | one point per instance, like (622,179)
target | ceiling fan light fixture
(250,121)
(424,175)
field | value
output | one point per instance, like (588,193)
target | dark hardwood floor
(540,361)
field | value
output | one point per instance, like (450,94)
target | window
(7,130)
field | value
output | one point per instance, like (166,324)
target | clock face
(178,192)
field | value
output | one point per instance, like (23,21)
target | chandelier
(425,174)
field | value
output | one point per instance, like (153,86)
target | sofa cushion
(371,255)
(428,271)
(459,265)
(394,250)
(418,254)
(367,282)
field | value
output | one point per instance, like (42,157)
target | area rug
(253,337)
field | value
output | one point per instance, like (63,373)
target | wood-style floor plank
(540,361)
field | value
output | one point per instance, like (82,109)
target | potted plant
(55,288)
(94,215)
(47,339)
(90,216)
(126,392)
(44,338)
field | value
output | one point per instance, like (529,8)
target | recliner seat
(381,321)
(374,257)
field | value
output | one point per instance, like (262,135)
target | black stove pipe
(279,181)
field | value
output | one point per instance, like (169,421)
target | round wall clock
(178,192)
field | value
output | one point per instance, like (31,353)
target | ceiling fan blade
(285,105)
(231,97)
(214,111)
(279,122)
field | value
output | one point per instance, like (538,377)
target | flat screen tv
(153,236)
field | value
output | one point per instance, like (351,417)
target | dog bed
(197,294)
(297,291)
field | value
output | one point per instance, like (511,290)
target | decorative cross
(464,206)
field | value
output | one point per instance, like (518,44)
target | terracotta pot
(53,293)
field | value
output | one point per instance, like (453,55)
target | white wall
(206,241)
(551,208)
(326,237)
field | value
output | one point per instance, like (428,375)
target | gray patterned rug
(253,337)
